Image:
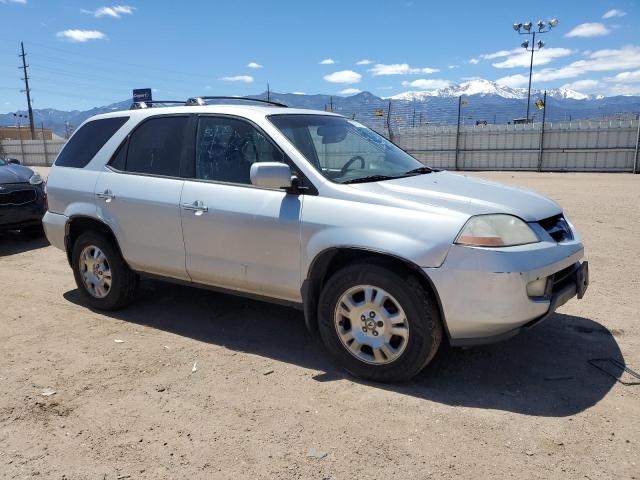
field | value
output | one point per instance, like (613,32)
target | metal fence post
(21,143)
(44,145)
(458,132)
(635,158)
(389,123)
(544,115)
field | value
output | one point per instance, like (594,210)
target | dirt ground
(263,400)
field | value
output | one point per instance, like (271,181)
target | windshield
(345,151)
(2,162)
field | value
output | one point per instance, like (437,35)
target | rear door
(138,196)
(236,235)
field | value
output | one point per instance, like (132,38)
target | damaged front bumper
(483,291)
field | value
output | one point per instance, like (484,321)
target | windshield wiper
(419,170)
(370,178)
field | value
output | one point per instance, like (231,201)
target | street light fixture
(527,27)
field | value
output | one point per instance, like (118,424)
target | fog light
(537,287)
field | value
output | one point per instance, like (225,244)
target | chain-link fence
(610,146)
(460,135)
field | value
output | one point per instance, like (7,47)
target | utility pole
(268,93)
(414,117)
(27,90)
(331,103)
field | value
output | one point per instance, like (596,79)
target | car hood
(14,173)
(468,195)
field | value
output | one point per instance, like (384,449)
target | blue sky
(86,53)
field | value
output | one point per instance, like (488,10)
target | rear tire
(387,349)
(104,279)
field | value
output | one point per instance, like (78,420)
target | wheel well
(79,225)
(330,261)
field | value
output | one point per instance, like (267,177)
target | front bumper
(483,293)
(21,214)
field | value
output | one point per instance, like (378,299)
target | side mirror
(271,175)
(15,161)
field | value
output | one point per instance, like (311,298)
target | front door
(238,236)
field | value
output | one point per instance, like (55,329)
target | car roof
(249,111)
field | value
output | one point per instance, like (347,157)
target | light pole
(526,29)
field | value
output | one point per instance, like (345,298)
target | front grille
(17,197)
(557,227)
(564,277)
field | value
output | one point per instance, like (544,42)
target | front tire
(378,324)
(104,279)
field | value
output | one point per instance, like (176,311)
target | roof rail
(151,103)
(202,100)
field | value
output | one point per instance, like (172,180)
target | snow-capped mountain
(567,94)
(488,101)
(484,88)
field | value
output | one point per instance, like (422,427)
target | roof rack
(202,100)
(151,103)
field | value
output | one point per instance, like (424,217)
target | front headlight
(35,179)
(496,231)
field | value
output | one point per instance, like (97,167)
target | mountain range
(484,101)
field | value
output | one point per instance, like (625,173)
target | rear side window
(156,146)
(87,141)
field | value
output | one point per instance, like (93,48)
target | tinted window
(226,148)
(155,147)
(87,141)
(118,161)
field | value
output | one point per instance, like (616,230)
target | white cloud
(622,89)
(80,36)
(626,77)
(254,65)
(115,11)
(238,78)
(500,54)
(327,61)
(614,13)
(364,61)
(625,58)
(588,30)
(452,66)
(399,69)
(474,61)
(21,2)
(343,76)
(427,84)
(299,93)
(586,85)
(522,58)
(349,91)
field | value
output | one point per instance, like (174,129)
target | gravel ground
(192,384)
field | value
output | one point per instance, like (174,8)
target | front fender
(421,237)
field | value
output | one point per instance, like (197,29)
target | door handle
(107,196)
(198,207)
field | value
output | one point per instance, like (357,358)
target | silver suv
(387,257)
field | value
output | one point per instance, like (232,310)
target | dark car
(23,201)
